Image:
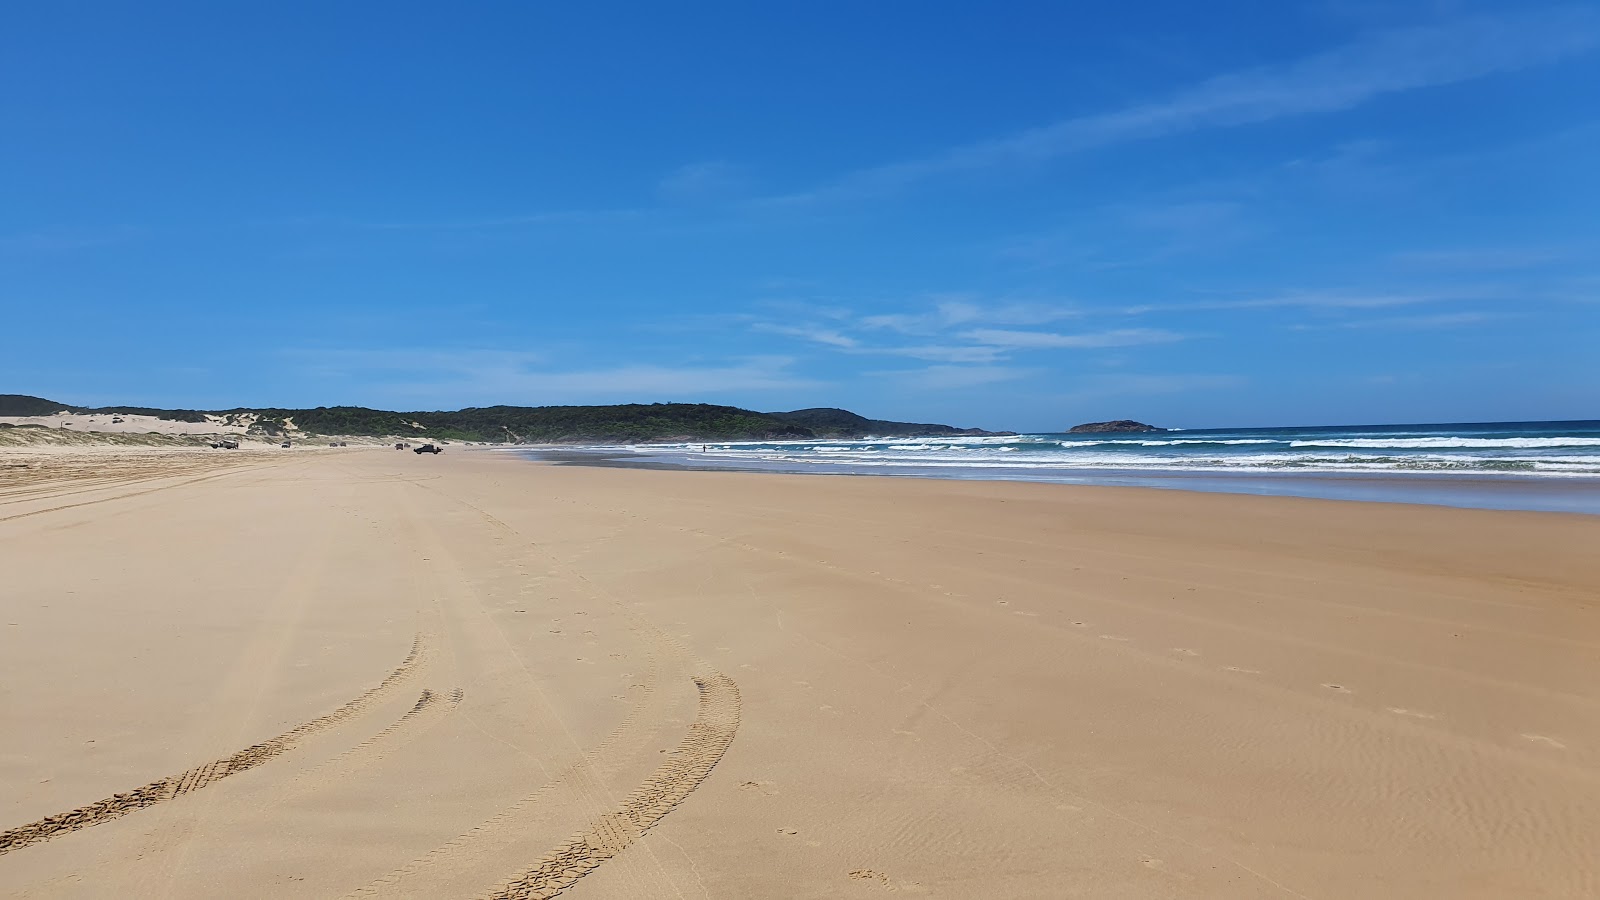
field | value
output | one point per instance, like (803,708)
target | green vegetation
(23,405)
(625,423)
(830,422)
(177,415)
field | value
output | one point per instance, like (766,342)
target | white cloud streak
(943,341)
(529,220)
(702,182)
(1379,64)
(1311,300)
(953,353)
(1414,323)
(1043,340)
(499,376)
(956,377)
(828,336)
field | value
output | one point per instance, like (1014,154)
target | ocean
(1503,465)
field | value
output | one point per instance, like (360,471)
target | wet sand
(1508,492)
(369,673)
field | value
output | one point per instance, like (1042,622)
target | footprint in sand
(1546,741)
(1160,865)
(1338,687)
(1186,651)
(888,884)
(1081,624)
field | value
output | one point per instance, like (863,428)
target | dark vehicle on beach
(427,448)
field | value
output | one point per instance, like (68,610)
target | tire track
(469,851)
(118,805)
(610,833)
(695,756)
(130,494)
(430,709)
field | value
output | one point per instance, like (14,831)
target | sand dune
(368,673)
(108,423)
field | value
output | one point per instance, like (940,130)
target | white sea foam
(1469,451)
(931,457)
(1443,443)
(1190,442)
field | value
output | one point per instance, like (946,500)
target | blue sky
(1017,215)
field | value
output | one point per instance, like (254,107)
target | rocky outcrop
(1120,426)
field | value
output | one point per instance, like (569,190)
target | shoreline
(1442,489)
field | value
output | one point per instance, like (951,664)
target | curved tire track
(695,756)
(690,763)
(118,805)
(432,872)
(430,709)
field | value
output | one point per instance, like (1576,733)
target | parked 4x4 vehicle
(427,448)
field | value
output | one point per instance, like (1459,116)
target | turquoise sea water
(1516,465)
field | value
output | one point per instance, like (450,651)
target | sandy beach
(371,673)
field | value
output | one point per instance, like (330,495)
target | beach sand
(372,673)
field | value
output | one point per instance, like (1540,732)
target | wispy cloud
(952,353)
(828,336)
(703,182)
(324,362)
(1487,258)
(499,376)
(1386,62)
(527,220)
(1044,340)
(950,313)
(1414,323)
(963,332)
(954,331)
(754,374)
(1323,300)
(956,377)
(62,240)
